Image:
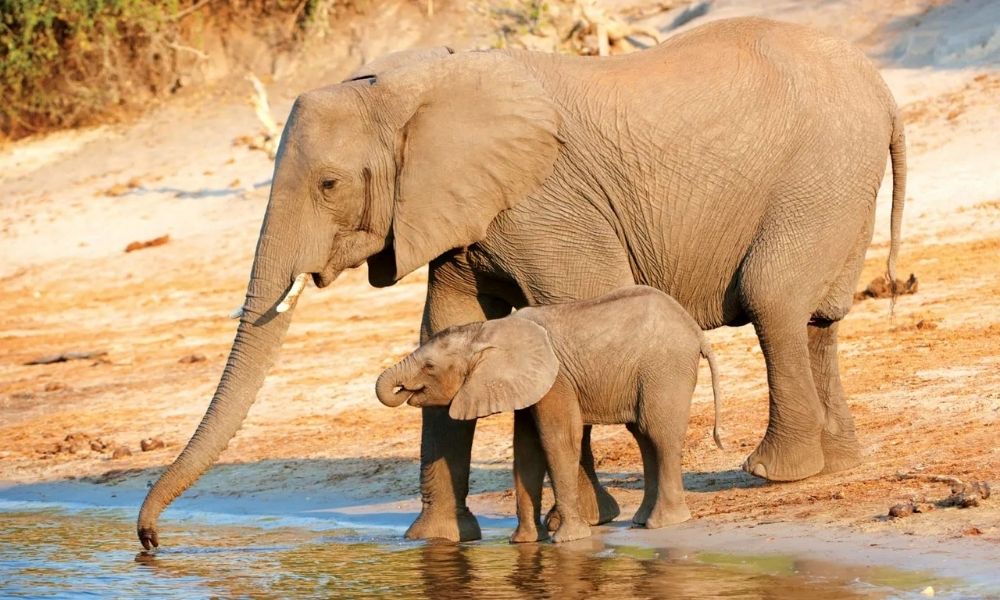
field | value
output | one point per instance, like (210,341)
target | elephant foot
(596,508)
(525,534)
(840,452)
(456,525)
(785,461)
(671,515)
(574,529)
(641,516)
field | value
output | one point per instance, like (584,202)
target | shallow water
(71,553)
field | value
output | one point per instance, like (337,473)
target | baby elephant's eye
(328,184)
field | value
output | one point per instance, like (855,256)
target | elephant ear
(395,60)
(480,136)
(513,367)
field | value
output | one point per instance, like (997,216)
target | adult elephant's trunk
(390,379)
(255,347)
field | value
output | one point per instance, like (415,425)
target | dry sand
(923,380)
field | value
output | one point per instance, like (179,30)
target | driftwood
(963,495)
(267,140)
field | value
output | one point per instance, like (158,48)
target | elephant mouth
(325,277)
(413,396)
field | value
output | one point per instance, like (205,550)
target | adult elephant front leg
(446,444)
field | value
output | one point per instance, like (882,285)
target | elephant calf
(630,356)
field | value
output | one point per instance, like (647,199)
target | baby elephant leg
(529,475)
(663,421)
(560,429)
(650,474)
(597,506)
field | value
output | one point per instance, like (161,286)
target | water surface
(71,553)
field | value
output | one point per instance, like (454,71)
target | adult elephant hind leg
(841,450)
(791,448)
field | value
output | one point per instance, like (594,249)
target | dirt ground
(923,378)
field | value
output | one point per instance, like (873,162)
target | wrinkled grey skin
(734,167)
(628,357)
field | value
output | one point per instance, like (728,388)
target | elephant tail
(897,151)
(706,351)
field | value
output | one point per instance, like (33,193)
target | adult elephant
(735,167)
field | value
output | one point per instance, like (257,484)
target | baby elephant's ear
(512,368)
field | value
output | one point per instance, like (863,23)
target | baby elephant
(629,357)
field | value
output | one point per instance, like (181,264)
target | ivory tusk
(293,293)
(236,313)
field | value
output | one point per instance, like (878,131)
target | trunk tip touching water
(253,353)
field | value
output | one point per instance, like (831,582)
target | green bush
(65,63)
(62,61)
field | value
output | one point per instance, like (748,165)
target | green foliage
(60,59)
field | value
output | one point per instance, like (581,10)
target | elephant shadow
(694,481)
(354,491)
(717,481)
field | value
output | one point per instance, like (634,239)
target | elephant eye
(428,366)
(328,184)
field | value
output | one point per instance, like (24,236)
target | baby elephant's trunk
(389,381)
(706,351)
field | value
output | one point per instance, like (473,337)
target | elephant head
(476,370)
(404,161)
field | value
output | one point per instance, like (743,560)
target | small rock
(839,495)
(927,591)
(121,452)
(149,444)
(902,510)
(116,190)
(98,445)
(192,358)
(54,386)
(972,531)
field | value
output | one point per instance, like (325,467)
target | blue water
(72,552)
